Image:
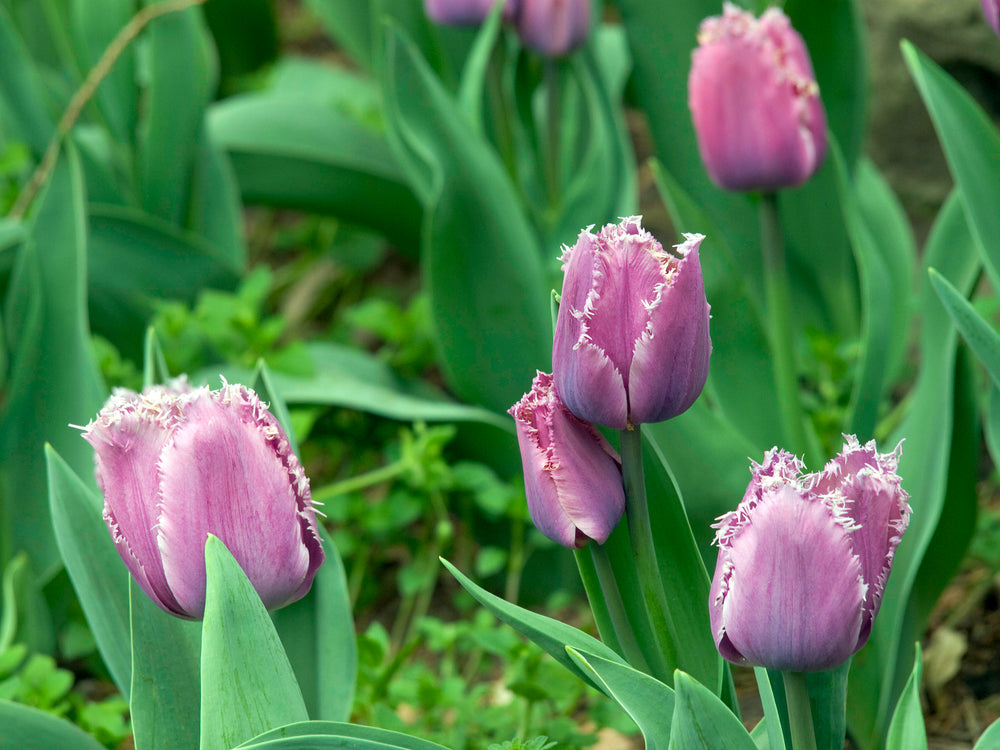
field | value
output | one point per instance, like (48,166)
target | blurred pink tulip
(804,559)
(553,27)
(991,8)
(631,341)
(572,477)
(755,103)
(465,12)
(177,465)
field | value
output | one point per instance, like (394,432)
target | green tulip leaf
(702,721)
(972,147)
(27,728)
(322,734)
(646,700)
(247,683)
(906,731)
(989,739)
(551,635)
(98,574)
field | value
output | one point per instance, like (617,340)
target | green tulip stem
(781,332)
(553,121)
(799,713)
(662,659)
(616,607)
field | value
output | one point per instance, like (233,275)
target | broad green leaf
(682,573)
(181,80)
(137,260)
(27,728)
(890,227)
(247,682)
(978,333)
(216,213)
(334,734)
(957,524)
(117,96)
(551,635)
(972,147)
(354,379)
(53,380)
(878,300)
(323,159)
(22,101)
(13,574)
(702,721)
(318,634)
(481,265)
(906,731)
(165,697)
(989,739)
(646,700)
(99,576)
(927,430)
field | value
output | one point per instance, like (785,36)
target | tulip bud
(755,103)
(177,466)
(465,12)
(572,477)
(804,559)
(553,27)
(991,8)
(631,342)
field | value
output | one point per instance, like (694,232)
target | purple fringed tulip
(465,12)
(572,477)
(755,103)
(553,27)
(991,9)
(803,561)
(176,466)
(631,342)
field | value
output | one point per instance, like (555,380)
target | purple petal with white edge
(791,596)
(128,436)
(590,383)
(226,472)
(671,354)
(572,476)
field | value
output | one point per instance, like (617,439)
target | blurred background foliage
(302,183)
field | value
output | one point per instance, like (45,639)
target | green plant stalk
(616,608)
(663,657)
(515,561)
(501,109)
(781,332)
(553,115)
(799,712)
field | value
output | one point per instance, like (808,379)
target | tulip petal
(223,476)
(127,437)
(754,101)
(792,595)
(669,365)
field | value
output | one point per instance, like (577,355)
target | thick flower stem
(616,608)
(799,712)
(781,332)
(553,122)
(663,659)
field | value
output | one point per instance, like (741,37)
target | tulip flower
(991,8)
(804,559)
(465,12)
(631,341)
(572,477)
(755,103)
(553,27)
(176,466)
